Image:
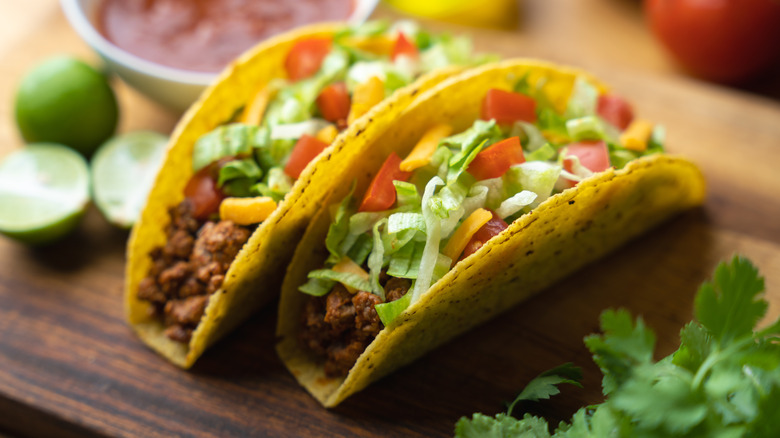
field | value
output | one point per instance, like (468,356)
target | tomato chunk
(203,194)
(403,46)
(492,228)
(593,155)
(508,107)
(306,149)
(495,160)
(305,57)
(381,193)
(334,103)
(615,110)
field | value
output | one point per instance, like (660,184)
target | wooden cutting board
(70,367)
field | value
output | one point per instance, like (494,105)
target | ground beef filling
(340,325)
(190,267)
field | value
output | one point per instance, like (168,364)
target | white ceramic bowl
(172,87)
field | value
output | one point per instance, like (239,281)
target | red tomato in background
(721,40)
(305,57)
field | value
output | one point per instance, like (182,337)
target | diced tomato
(403,46)
(203,194)
(492,228)
(381,193)
(305,57)
(497,159)
(306,149)
(615,110)
(594,155)
(508,107)
(334,103)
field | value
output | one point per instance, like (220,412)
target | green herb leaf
(501,426)
(623,346)
(724,381)
(545,385)
(730,306)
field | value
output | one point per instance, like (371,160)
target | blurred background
(602,35)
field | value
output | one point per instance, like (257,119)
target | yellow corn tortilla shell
(566,232)
(256,274)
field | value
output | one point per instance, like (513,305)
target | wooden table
(70,367)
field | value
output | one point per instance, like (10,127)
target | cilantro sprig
(723,381)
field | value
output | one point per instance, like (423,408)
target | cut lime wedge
(44,190)
(123,172)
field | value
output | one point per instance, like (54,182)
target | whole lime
(63,100)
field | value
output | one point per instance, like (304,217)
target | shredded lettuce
(449,199)
(537,176)
(530,136)
(317,287)
(237,177)
(376,260)
(271,153)
(360,246)
(657,140)
(619,157)
(405,221)
(433,239)
(551,122)
(405,263)
(495,191)
(535,91)
(445,51)
(468,144)
(339,228)
(583,99)
(544,153)
(346,278)
(276,185)
(586,128)
(476,199)
(364,221)
(362,71)
(233,140)
(441,268)
(409,28)
(237,169)
(389,311)
(515,203)
(406,194)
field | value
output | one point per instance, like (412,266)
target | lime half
(123,172)
(44,191)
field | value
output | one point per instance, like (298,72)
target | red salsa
(205,35)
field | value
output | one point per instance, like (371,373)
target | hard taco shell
(254,276)
(563,234)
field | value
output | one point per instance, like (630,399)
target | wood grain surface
(70,367)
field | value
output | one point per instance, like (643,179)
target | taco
(493,185)
(228,204)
